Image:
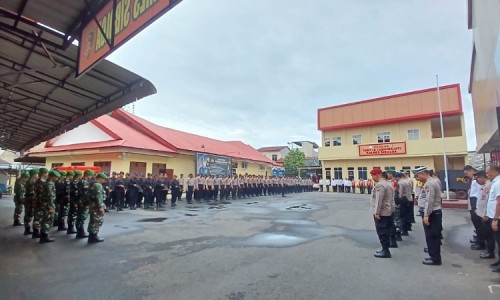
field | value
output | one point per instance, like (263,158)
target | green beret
(102,175)
(391,172)
(43,171)
(25,175)
(54,173)
(78,172)
(63,173)
(88,173)
(33,172)
(70,173)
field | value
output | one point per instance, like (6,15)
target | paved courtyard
(305,246)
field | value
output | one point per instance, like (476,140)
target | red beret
(375,172)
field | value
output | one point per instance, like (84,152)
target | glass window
(390,168)
(78,164)
(356,139)
(384,137)
(55,165)
(362,173)
(406,168)
(337,173)
(275,157)
(327,142)
(244,165)
(413,134)
(337,141)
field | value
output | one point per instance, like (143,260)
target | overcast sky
(257,71)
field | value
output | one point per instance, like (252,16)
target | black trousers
(189,194)
(478,226)
(405,214)
(433,234)
(490,236)
(383,227)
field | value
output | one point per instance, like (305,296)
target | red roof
(123,136)
(272,149)
(130,131)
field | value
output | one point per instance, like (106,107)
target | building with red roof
(125,142)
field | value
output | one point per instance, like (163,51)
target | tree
(293,160)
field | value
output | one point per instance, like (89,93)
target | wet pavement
(304,246)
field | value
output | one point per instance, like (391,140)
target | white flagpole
(442,138)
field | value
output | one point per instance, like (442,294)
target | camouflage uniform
(19,194)
(82,207)
(37,209)
(47,205)
(73,197)
(62,202)
(96,197)
(30,197)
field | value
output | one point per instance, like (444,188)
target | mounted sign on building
(207,164)
(382,149)
(116,23)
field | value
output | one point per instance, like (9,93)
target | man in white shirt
(327,184)
(493,209)
(478,243)
(321,184)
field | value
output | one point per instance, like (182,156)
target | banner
(278,172)
(207,164)
(382,149)
(119,25)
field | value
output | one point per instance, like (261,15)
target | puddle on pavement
(299,207)
(216,207)
(152,220)
(250,203)
(191,215)
(273,240)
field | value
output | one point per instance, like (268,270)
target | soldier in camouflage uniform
(73,196)
(62,191)
(58,202)
(19,196)
(47,206)
(28,201)
(37,212)
(82,206)
(96,195)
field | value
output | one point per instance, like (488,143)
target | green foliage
(293,160)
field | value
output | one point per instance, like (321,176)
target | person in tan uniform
(382,207)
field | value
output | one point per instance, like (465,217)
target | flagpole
(442,138)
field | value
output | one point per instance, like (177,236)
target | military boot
(44,238)
(80,233)
(384,253)
(27,230)
(93,238)
(398,237)
(393,243)
(36,233)
(17,223)
(61,226)
(71,229)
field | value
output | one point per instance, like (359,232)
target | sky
(257,71)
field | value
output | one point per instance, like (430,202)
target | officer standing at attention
(29,199)
(48,206)
(433,216)
(96,196)
(381,208)
(82,207)
(19,197)
(191,186)
(174,191)
(37,211)
(182,182)
(73,198)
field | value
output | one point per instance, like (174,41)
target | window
(413,134)
(105,166)
(337,141)
(262,167)
(328,172)
(350,173)
(275,157)
(390,168)
(406,168)
(362,173)
(384,137)
(55,165)
(327,142)
(78,164)
(356,139)
(244,165)
(337,173)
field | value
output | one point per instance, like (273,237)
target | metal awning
(39,95)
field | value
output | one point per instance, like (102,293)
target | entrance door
(159,168)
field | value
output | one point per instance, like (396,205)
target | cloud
(258,71)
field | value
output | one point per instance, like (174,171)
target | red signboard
(123,22)
(382,149)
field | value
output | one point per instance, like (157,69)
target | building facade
(123,142)
(484,20)
(275,153)
(395,132)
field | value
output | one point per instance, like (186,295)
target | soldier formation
(60,199)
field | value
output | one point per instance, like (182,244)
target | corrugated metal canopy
(39,95)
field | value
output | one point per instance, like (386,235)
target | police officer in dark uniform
(119,192)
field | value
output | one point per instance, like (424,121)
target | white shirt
(492,198)
(321,181)
(475,190)
(327,182)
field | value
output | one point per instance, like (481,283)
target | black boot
(93,238)
(61,226)
(71,229)
(405,233)
(384,253)
(17,223)
(80,233)
(393,243)
(398,237)
(44,238)
(27,230)
(35,234)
